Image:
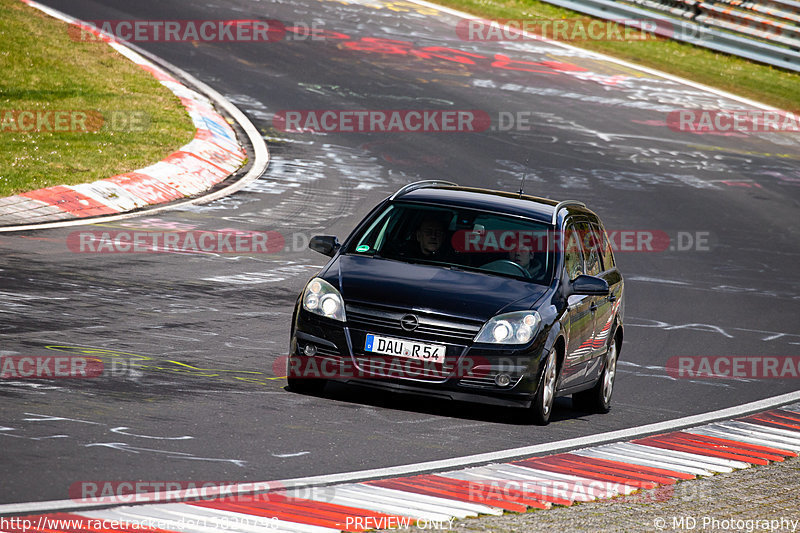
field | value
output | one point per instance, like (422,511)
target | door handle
(611,298)
(593,307)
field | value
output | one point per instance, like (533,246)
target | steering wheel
(502,266)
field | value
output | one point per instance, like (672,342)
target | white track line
(455,462)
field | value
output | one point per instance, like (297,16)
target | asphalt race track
(198,395)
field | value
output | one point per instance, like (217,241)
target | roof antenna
(522,183)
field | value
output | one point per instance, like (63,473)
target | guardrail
(766,31)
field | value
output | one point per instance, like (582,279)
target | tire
(542,406)
(306,385)
(598,398)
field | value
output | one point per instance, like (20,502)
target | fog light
(502,380)
(310,350)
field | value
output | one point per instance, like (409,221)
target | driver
(429,240)
(525,258)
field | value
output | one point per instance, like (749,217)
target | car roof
(540,209)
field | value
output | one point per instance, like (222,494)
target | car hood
(432,288)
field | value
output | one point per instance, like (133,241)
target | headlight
(321,298)
(511,328)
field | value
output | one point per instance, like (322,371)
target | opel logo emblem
(409,322)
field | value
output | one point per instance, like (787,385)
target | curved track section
(194,336)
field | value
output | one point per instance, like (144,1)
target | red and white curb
(213,155)
(434,500)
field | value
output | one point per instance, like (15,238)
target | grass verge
(117,116)
(763,83)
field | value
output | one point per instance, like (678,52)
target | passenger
(525,258)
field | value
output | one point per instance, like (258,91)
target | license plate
(403,348)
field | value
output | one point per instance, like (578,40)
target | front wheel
(542,405)
(598,398)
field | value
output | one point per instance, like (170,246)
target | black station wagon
(466,294)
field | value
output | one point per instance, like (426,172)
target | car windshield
(458,238)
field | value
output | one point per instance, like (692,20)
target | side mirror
(589,286)
(324,244)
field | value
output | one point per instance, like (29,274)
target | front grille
(432,326)
(478,381)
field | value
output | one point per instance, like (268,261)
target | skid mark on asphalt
(658,372)
(276,275)
(124,447)
(722,288)
(729,332)
(29,428)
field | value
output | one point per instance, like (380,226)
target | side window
(573,258)
(605,248)
(591,251)
(374,237)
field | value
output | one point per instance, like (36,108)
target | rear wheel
(598,398)
(542,405)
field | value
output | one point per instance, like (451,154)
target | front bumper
(327,349)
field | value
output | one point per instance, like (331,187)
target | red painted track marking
(683,446)
(765,450)
(491,487)
(484,492)
(146,187)
(642,468)
(192,162)
(296,510)
(70,201)
(778,418)
(534,490)
(159,74)
(615,469)
(725,448)
(563,467)
(769,422)
(457,494)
